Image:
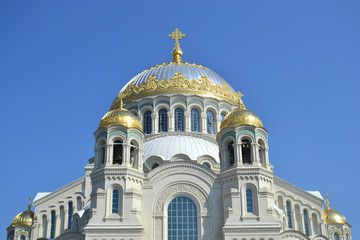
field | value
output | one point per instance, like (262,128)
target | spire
(327,202)
(29,206)
(177,52)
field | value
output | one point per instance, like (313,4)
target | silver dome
(168,70)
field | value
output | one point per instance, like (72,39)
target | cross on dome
(177,52)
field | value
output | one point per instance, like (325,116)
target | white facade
(234,198)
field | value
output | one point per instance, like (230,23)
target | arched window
(155,166)
(70,213)
(222,116)
(336,236)
(246,151)
(306,223)
(182,219)
(210,119)
(163,127)
(147,122)
(179,119)
(44,226)
(288,211)
(195,120)
(115,201)
(230,149)
(206,165)
(347,237)
(134,153)
(117,152)
(261,149)
(249,201)
(103,155)
(53,224)
(22,237)
(316,230)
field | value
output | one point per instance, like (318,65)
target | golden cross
(176,35)
(240,102)
(177,52)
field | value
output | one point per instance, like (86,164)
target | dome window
(222,116)
(207,165)
(195,120)
(117,152)
(179,119)
(147,122)
(163,120)
(336,236)
(154,166)
(210,122)
(246,151)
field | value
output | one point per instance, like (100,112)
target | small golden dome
(23,218)
(120,116)
(333,216)
(241,116)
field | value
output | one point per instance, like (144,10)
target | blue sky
(63,62)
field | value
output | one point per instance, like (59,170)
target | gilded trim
(177,85)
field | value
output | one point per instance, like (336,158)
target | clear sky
(63,62)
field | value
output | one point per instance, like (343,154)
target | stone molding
(60,191)
(294,189)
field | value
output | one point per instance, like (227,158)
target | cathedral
(178,156)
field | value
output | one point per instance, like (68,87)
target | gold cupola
(120,116)
(333,216)
(241,116)
(24,218)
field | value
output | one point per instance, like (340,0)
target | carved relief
(181,188)
(179,83)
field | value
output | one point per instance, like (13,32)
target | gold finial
(177,52)
(240,102)
(121,95)
(29,206)
(327,202)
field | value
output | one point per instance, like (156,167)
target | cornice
(292,188)
(60,191)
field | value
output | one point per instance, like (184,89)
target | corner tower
(117,177)
(246,176)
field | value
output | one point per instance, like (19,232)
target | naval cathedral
(179,157)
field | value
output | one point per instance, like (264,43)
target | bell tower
(246,177)
(117,177)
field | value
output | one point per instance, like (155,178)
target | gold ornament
(177,84)
(177,52)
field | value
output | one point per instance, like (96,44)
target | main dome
(173,78)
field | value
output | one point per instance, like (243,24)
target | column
(187,119)
(255,158)
(57,224)
(218,122)
(126,154)
(154,123)
(171,121)
(267,156)
(109,154)
(203,123)
(238,154)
